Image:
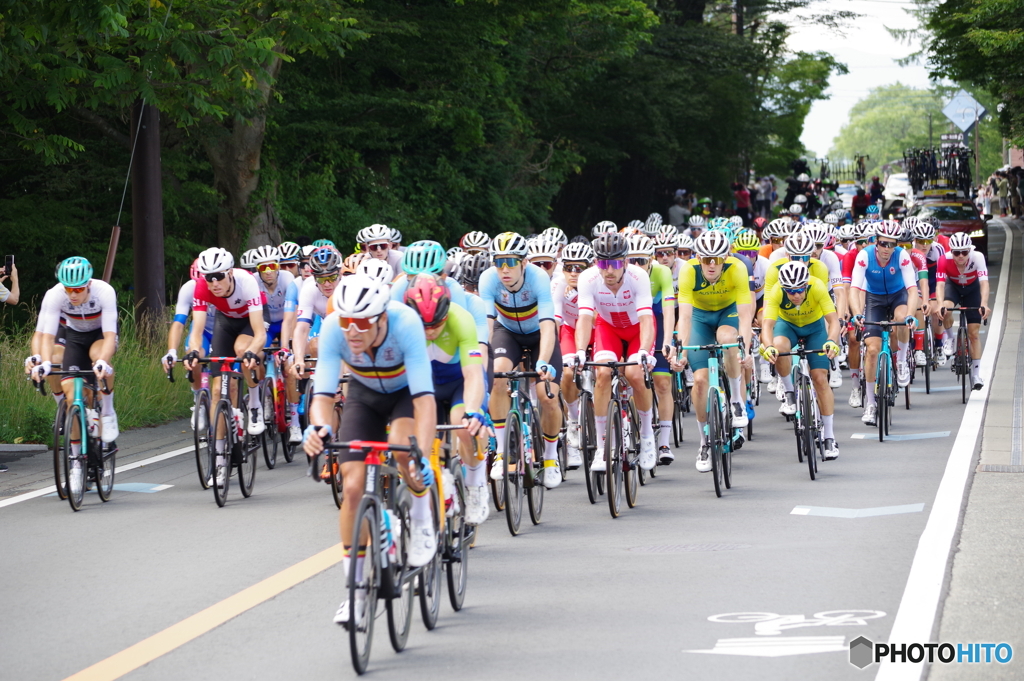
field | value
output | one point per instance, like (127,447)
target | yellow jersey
(816,305)
(816,267)
(733,286)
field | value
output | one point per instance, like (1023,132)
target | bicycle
(456,535)
(95,459)
(275,411)
(718,428)
(584,379)
(962,354)
(57,446)
(233,422)
(810,441)
(886,387)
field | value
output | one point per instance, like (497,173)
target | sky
(868,51)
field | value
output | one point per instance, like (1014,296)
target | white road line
(120,469)
(919,606)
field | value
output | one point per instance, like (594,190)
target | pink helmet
(193,271)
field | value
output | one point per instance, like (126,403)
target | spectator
(877,190)
(1014,191)
(1003,189)
(13,295)
(860,204)
(679,211)
(742,196)
(985,199)
(765,189)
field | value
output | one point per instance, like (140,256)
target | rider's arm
(832,326)
(585,305)
(424,411)
(259,331)
(473,387)
(546,311)
(647,331)
(548,336)
(195,339)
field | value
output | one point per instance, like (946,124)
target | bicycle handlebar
(967,309)
(527,374)
(801,352)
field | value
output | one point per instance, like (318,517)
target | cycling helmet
(799,243)
(783,212)
(865,229)
(325,260)
(424,256)
(736,221)
(542,248)
(889,228)
(960,241)
(652,224)
(577,252)
(803,177)
(193,272)
(696,221)
(847,233)
(428,295)
(376,269)
(611,246)
(579,239)
(685,241)
(604,227)
(556,235)
(265,254)
(475,241)
(760,222)
(832,219)
(396,236)
(635,224)
(789,226)
(471,267)
(361,297)
(799,198)
(665,240)
(361,236)
(307,251)
(76,271)
(924,230)
(246,262)
(509,243)
(641,244)
(910,222)
(872,209)
(669,231)
(289,251)
(718,223)
(454,251)
(906,235)
(376,233)
(935,222)
(796,209)
(746,240)
(214,260)
(818,233)
(712,243)
(778,227)
(794,274)
(324,242)
(352,262)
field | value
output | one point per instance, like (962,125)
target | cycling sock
(205,380)
(855,374)
(646,428)
(346,559)
(254,397)
(57,397)
(476,476)
(76,447)
(826,426)
(420,511)
(499,435)
(703,434)
(293,416)
(550,447)
(787,381)
(975,366)
(736,388)
(869,393)
(919,340)
(574,409)
(665,433)
(901,353)
(219,445)
(107,400)
(601,424)
(360,559)
(196,391)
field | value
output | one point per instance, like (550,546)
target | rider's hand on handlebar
(313,439)
(770,353)
(475,424)
(646,358)
(190,360)
(831,349)
(170,358)
(32,362)
(546,371)
(41,370)
(579,359)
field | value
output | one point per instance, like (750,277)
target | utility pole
(147,211)
(929,130)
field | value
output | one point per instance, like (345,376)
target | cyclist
(665,252)
(615,303)
(246,261)
(182,309)
(798,309)
(458,374)
(77,328)
(522,315)
(603,227)
(325,266)
(396,241)
(556,235)
(663,298)
(962,278)
(289,262)
(684,251)
(475,242)
(917,258)
(773,235)
(861,235)
(576,258)
(694,226)
(652,224)
(377,242)
(390,397)
(273,283)
(543,253)
(747,245)
(924,240)
(238,332)
(883,287)
(714,307)
(378,270)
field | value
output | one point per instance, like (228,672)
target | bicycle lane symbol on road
(768,627)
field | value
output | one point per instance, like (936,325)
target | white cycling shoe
(344,614)
(856,399)
(835,378)
(574,459)
(256,425)
(109,431)
(766,373)
(294,434)
(869,418)
(704,460)
(477,508)
(552,474)
(902,375)
(423,546)
(739,415)
(919,358)
(598,464)
(648,459)
(497,468)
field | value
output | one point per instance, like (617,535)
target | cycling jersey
(455,347)
(832,275)
(835,268)
(459,297)
(312,302)
(291,296)
(400,361)
(920,264)
(99,311)
(815,267)
(849,260)
(476,307)
(975,270)
(758,276)
(897,274)
(245,297)
(662,292)
(677,267)
(733,286)
(621,309)
(186,294)
(816,305)
(274,303)
(520,311)
(566,301)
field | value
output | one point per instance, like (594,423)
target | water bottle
(92,419)
(237,415)
(451,503)
(387,537)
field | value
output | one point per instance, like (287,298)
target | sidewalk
(985,596)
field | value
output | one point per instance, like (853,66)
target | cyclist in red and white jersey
(576,258)
(962,281)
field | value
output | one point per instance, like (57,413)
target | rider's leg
(602,393)
(874,344)
(902,334)
(550,418)
(56,386)
(725,335)
(500,401)
(826,401)
(663,388)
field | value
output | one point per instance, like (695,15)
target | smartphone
(8,264)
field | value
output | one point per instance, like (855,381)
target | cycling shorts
(76,346)
(367,415)
(273,333)
(207,337)
(225,331)
(965,296)
(449,395)
(814,335)
(511,345)
(612,344)
(704,331)
(881,308)
(661,364)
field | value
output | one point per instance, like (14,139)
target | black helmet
(610,246)
(472,267)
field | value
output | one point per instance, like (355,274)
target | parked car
(846,192)
(897,186)
(955,215)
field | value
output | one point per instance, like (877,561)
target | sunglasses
(925,242)
(776,240)
(507,262)
(800,258)
(711,260)
(683,253)
(268,267)
(329,279)
(75,289)
(961,253)
(546,264)
(794,291)
(289,265)
(215,276)
(573,269)
(885,244)
(360,323)
(436,325)
(861,242)
(642,262)
(616,264)
(665,254)
(378,247)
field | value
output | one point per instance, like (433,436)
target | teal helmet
(74,272)
(324,242)
(424,256)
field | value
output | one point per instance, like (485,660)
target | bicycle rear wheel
(807,424)
(399,600)
(613,446)
(105,470)
(250,450)
(71,461)
(364,589)
(456,546)
(222,422)
(588,444)
(715,439)
(270,439)
(429,581)
(963,362)
(59,479)
(497,487)
(677,411)
(202,436)
(514,469)
(882,394)
(631,458)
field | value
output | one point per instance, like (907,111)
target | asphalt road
(686,584)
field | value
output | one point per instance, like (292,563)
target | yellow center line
(177,635)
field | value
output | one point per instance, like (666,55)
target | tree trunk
(234,151)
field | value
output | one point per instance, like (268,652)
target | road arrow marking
(905,436)
(856,512)
(776,647)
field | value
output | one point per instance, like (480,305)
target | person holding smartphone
(11,295)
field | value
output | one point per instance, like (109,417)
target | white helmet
(265,254)
(799,243)
(376,233)
(796,209)
(890,229)
(794,274)
(603,227)
(361,296)
(684,241)
(453,251)
(713,243)
(960,241)
(214,260)
(670,232)
(924,230)
(847,233)
(556,235)
(652,224)
(635,224)
(832,219)
(396,236)
(736,221)
(578,252)
(542,247)
(799,198)
(378,270)
(696,221)
(308,250)
(475,240)
(246,262)
(803,177)
(289,250)
(640,244)
(818,233)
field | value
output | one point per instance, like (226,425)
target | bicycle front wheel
(429,585)
(613,453)
(588,444)
(222,424)
(631,460)
(513,463)
(399,599)
(105,471)
(882,394)
(59,479)
(362,591)
(456,546)
(72,462)
(270,439)
(963,362)
(807,424)
(247,465)
(535,486)
(716,439)
(202,436)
